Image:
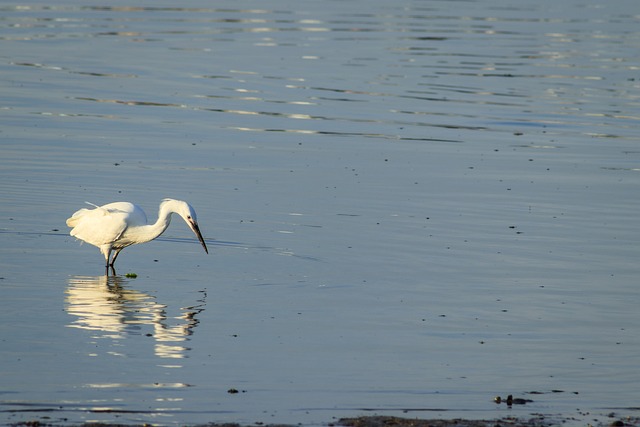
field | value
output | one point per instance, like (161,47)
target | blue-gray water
(411,207)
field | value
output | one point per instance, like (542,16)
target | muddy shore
(385,421)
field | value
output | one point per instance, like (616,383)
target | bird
(114,226)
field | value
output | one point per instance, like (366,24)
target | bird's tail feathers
(75,218)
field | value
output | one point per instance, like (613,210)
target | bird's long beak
(196,230)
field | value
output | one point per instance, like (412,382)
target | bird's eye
(188,217)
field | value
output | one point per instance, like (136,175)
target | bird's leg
(111,261)
(115,255)
(107,255)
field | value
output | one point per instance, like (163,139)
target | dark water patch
(138,103)
(85,73)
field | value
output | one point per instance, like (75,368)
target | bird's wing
(135,216)
(100,226)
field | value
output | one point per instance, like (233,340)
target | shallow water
(410,208)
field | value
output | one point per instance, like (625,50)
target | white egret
(115,226)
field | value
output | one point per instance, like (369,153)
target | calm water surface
(411,207)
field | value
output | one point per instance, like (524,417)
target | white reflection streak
(102,304)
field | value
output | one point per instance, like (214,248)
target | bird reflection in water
(106,305)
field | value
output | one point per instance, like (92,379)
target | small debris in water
(131,275)
(511,401)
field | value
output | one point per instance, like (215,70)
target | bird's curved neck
(152,231)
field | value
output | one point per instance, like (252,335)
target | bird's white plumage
(117,225)
(105,224)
